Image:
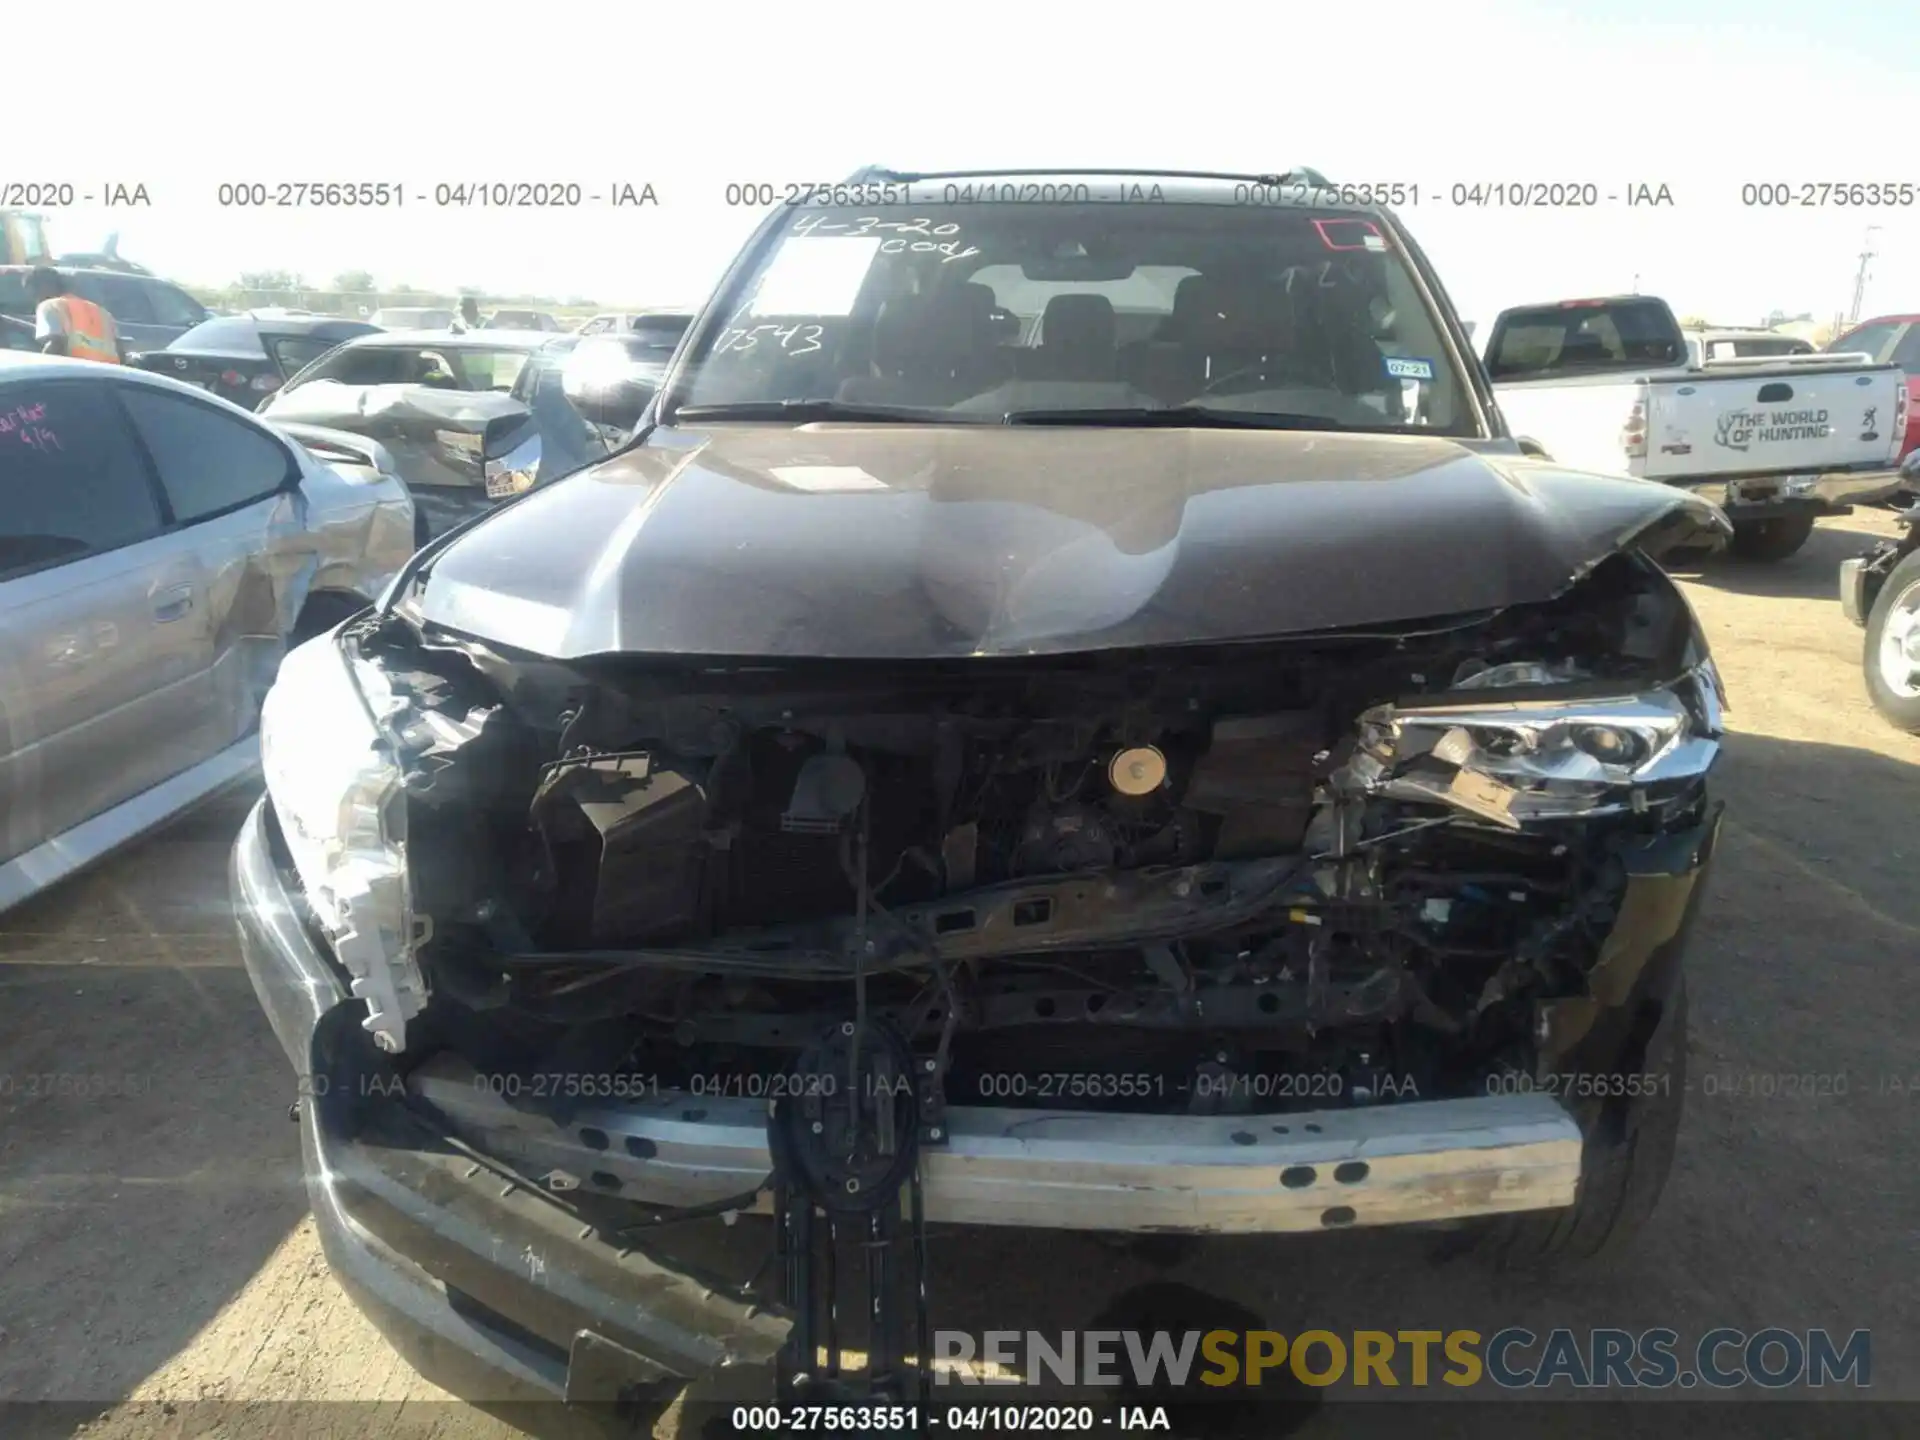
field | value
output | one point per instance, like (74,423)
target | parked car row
(151,485)
(246,358)
(471,418)
(160,550)
(1890,340)
(150,312)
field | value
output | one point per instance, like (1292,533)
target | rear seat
(930,350)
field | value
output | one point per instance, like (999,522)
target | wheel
(1770,539)
(1892,656)
(1622,1172)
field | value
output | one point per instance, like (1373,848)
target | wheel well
(322,610)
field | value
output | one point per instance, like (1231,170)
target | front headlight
(1541,759)
(336,790)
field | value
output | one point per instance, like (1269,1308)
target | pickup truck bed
(1775,440)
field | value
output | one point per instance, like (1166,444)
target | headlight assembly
(336,790)
(1539,759)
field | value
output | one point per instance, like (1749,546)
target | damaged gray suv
(1070,711)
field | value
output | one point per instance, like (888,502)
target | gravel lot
(155,1249)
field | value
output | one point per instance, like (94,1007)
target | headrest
(1198,308)
(1078,322)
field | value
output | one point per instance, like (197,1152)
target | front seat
(1076,340)
(896,329)
(929,350)
(1172,366)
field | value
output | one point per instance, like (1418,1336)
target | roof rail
(1298,175)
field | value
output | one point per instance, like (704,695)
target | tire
(1899,595)
(1622,1173)
(1769,540)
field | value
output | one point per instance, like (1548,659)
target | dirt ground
(155,1250)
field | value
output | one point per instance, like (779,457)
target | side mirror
(1530,446)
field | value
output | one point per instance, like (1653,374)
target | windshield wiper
(1176,417)
(802,411)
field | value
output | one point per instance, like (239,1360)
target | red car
(1891,339)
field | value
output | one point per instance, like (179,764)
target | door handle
(173,604)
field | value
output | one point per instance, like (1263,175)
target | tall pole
(1860,276)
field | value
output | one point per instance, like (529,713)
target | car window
(656,338)
(1141,302)
(122,296)
(599,325)
(174,307)
(208,461)
(367,365)
(1907,353)
(489,369)
(1586,336)
(225,334)
(1301,314)
(412,319)
(1784,345)
(76,483)
(13,293)
(294,352)
(1868,339)
(1747,347)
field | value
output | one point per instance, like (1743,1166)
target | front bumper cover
(484,1283)
(447,1210)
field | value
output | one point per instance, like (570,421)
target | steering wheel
(1267,373)
(1229,383)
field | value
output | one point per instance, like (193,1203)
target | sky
(1703,97)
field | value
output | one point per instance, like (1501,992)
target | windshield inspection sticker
(1406,367)
(812,276)
(1344,234)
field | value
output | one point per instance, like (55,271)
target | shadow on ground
(147,1168)
(1811,574)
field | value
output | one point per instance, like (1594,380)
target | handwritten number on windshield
(793,340)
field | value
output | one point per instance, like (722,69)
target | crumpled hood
(914,542)
(436,435)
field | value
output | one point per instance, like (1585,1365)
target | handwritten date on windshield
(919,236)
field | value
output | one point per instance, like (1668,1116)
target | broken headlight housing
(1512,761)
(337,793)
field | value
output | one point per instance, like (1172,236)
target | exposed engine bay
(1356,860)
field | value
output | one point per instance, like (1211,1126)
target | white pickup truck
(1776,440)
